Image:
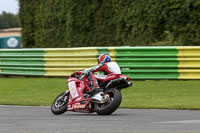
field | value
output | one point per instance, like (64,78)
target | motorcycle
(105,102)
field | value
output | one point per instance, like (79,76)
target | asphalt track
(40,119)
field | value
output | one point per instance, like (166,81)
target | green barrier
(22,53)
(136,62)
(147,62)
(152,73)
(22,62)
(23,71)
(146,52)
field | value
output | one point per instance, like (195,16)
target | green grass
(163,94)
(30,91)
(151,94)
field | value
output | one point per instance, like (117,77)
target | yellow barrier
(70,52)
(189,62)
(65,61)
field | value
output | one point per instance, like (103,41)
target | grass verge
(151,94)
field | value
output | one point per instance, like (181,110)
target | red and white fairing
(77,102)
(76,88)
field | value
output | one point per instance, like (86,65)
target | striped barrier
(136,62)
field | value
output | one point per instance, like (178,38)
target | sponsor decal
(79,106)
(72,88)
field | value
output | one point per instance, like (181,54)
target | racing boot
(93,91)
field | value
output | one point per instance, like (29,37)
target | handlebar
(78,75)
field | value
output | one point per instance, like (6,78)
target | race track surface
(40,119)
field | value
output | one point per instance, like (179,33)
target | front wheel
(59,105)
(111,104)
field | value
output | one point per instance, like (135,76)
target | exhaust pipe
(119,83)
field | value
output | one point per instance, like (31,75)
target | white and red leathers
(103,67)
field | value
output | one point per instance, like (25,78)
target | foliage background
(73,23)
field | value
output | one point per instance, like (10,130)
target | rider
(102,66)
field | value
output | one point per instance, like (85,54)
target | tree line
(9,20)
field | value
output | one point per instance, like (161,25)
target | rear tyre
(111,105)
(59,105)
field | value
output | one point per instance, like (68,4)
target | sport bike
(105,102)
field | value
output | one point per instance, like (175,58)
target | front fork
(64,96)
(66,92)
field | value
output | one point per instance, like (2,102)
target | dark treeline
(8,20)
(73,23)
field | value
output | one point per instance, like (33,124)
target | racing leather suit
(93,84)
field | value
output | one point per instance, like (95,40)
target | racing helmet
(103,58)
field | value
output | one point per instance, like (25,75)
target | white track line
(182,122)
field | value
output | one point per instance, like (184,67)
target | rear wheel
(111,104)
(59,105)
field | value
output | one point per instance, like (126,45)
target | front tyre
(59,105)
(111,104)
